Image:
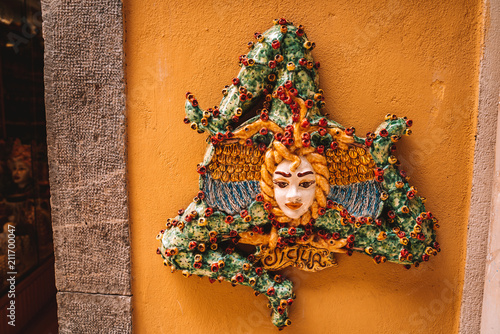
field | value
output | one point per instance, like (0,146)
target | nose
(293,194)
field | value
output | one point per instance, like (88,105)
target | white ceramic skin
(293,191)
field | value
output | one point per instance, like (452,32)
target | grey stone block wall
(86,137)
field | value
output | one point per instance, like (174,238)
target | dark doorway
(26,246)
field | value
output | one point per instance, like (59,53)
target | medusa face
(294,191)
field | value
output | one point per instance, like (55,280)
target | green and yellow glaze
(279,79)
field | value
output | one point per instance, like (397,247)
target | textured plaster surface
(483,179)
(490,321)
(417,59)
(85,106)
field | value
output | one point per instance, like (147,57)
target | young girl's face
(294,191)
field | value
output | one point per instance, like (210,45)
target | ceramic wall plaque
(282,185)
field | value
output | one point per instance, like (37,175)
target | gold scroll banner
(303,257)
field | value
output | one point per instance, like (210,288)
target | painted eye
(281,184)
(306,184)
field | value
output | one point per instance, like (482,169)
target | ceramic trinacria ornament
(290,182)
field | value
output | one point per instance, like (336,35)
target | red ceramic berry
(323,122)
(349,131)
(263,131)
(410,194)
(409,123)
(259,198)
(320,149)
(229,219)
(384,133)
(292,230)
(192,245)
(305,123)
(334,145)
(306,142)
(236,81)
(309,103)
(259,271)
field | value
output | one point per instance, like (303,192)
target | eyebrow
(283,174)
(305,173)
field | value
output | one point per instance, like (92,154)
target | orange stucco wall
(377,57)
